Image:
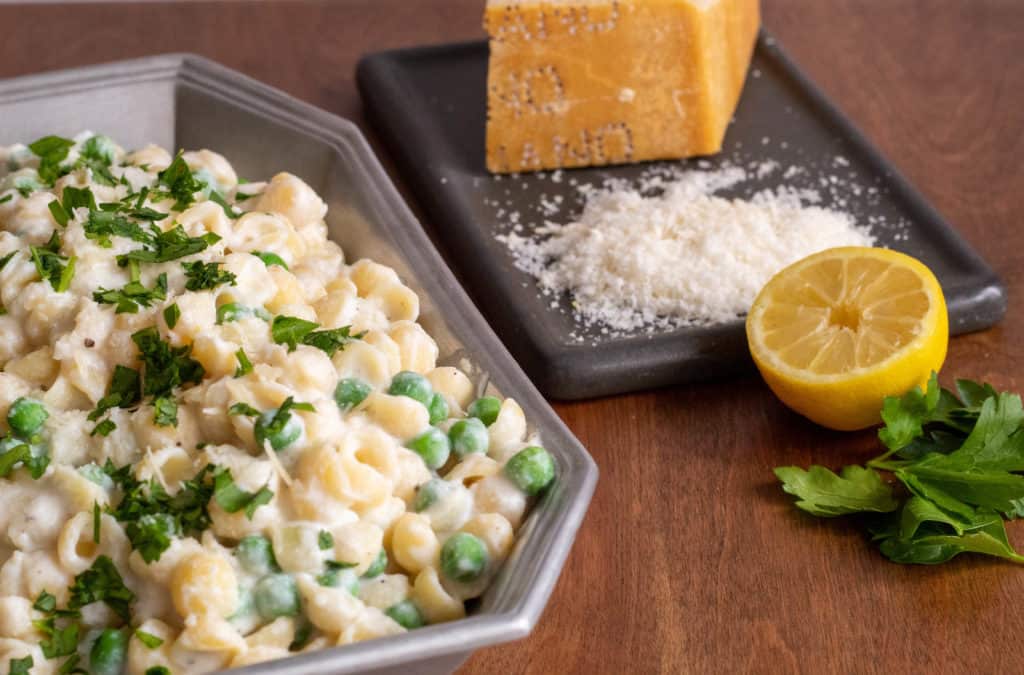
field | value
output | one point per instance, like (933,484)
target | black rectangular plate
(428,104)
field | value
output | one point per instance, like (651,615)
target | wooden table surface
(691,559)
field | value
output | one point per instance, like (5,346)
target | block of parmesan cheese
(592,82)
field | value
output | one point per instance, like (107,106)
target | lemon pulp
(835,333)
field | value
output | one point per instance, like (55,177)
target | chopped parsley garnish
(325,540)
(103,428)
(180,183)
(165,412)
(51,150)
(124,392)
(133,294)
(243,409)
(6,259)
(171,315)
(21,666)
(102,225)
(8,460)
(52,266)
(233,499)
(96,522)
(45,603)
(152,517)
(166,367)
(218,199)
(151,641)
(158,670)
(292,331)
(334,568)
(72,199)
(244,364)
(170,245)
(270,259)
(330,341)
(102,583)
(3,200)
(204,276)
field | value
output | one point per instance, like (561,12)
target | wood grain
(691,559)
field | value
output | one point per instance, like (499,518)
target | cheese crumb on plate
(681,256)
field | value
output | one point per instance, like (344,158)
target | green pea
(413,385)
(485,409)
(406,614)
(255,554)
(532,469)
(469,436)
(281,435)
(107,655)
(26,416)
(99,147)
(438,409)
(377,567)
(340,577)
(428,493)
(463,557)
(276,595)
(207,180)
(350,392)
(433,446)
(26,184)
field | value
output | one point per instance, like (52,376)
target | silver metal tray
(187,101)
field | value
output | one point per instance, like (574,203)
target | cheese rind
(584,83)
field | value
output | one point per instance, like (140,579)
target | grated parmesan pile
(681,257)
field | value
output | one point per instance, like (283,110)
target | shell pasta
(220,442)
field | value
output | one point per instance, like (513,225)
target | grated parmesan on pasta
(684,256)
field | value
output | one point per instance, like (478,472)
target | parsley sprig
(133,294)
(959,457)
(202,276)
(51,265)
(52,151)
(292,331)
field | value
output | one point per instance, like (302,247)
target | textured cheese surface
(593,82)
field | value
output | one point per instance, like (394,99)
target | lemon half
(835,333)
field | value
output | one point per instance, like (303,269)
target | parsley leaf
(72,198)
(270,259)
(165,412)
(180,183)
(21,666)
(960,457)
(151,534)
(243,409)
(166,367)
(124,391)
(52,266)
(3,200)
(158,670)
(6,259)
(330,341)
(102,583)
(151,641)
(823,493)
(218,199)
(133,294)
(96,522)
(170,245)
(100,226)
(171,315)
(325,540)
(233,499)
(244,364)
(290,330)
(9,459)
(103,428)
(204,276)
(45,603)
(51,150)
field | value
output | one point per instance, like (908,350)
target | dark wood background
(691,559)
